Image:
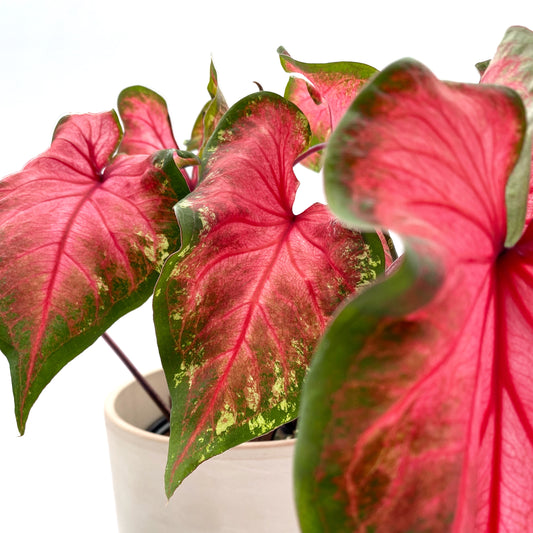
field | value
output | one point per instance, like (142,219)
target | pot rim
(114,418)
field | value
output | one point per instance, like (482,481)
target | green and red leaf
(239,309)
(210,114)
(417,414)
(147,127)
(324,95)
(82,238)
(207,120)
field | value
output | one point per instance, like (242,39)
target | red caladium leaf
(81,240)
(325,96)
(147,127)
(238,310)
(418,412)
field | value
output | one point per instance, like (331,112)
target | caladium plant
(418,409)
(323,93)
(246,287)
(417,412)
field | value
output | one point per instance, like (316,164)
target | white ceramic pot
(247,489)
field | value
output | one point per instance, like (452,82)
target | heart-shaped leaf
(238,310)
(325,96)
(81,241)
(417,412)
(147,127)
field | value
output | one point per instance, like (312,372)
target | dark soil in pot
(161,426)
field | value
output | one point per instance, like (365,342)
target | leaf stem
(138,376)
(392,248)
(312,150)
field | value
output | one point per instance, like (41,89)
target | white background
(66,57)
